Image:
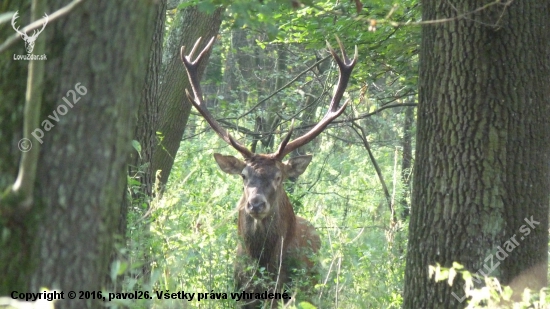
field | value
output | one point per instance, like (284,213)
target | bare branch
(345,67)
(361,133)
(197,99)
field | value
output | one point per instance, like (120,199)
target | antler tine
(345,67)
(198,101)
(197,42)
(192,66)
(284,142)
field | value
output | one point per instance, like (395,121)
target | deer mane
(262,240)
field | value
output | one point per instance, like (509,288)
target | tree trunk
(188,25)
(481,167)
(65,240)
(238,67)
(140,167)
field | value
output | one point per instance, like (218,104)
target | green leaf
(137,146)
(305,305)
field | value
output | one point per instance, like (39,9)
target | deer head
(29,40)
(262,180)
(271,233)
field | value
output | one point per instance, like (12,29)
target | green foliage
(242,13)
(388,52)
(193,231)
(492,294)
(192,236)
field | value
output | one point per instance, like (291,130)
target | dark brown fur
(261,243)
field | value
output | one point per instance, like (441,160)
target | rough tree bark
(482,152)
(188,25)
(140,163)
(65,240)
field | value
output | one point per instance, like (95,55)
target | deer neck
(262,239)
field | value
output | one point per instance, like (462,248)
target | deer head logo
(29,40)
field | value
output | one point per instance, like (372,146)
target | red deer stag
(272,236)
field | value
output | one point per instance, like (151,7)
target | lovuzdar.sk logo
(29,39)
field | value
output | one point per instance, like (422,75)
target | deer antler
(198,101)
(345,67)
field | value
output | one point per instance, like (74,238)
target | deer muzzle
(257,207)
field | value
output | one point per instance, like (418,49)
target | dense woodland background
(438,161)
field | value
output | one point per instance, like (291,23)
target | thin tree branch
(229,125)
(361,133)
(427,22)
(21,193)
(383,108)
(463,15)
(284,86)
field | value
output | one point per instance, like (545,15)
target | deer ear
(229,164)
(297,166)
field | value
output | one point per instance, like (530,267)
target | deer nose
(256,204)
